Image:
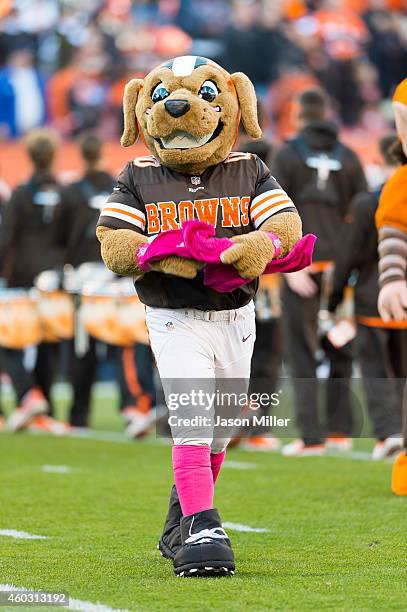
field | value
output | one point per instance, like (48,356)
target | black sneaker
(170,541)
(206,548)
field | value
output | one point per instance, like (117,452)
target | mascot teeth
(184,140)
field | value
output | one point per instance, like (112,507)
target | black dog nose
(177,108)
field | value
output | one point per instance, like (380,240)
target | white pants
(204,346)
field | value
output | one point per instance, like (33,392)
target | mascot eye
(159,93)
(208,91)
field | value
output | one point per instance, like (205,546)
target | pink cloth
(216,464)
(226,278)
(197,240)
(193,477)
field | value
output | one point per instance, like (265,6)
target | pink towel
(197,240)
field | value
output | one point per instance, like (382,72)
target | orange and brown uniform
(391,223)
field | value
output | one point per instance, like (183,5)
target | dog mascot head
(187,111)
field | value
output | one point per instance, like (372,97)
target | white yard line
(87,606)
(116,436)
(239,465)
(244,528)
(119,438)
(359,455)
(57,469)
(74,604)
(21,535)
(101,436)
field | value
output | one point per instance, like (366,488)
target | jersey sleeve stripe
(125,209)
(124,216)
(235,157)
(269,205)
(265,197)
(270,211)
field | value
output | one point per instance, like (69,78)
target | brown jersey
(236,197)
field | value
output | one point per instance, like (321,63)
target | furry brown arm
(252,252)
(118,249)
(288,227)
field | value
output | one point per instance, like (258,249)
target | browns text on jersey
(235,196)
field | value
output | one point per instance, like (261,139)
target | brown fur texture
(178,266)
(236,94)
(118,248)
(288,227)
(252,252)
(247,98)
(250,255)
(131,92)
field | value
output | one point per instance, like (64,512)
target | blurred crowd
(320,67)
(71,59)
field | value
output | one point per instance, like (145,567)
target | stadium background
(336,542)
(84,54)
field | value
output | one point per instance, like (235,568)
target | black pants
(138,387)
(382,355)
(300,317)
(43,375)
(135,375)
(266,364)
(82,375)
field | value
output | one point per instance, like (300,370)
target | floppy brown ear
(131,92)
(248,103)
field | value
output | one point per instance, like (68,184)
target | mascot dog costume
(391,221)
(187,112)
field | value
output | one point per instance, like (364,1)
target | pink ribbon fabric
(196,240)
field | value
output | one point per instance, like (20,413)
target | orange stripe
(378,322)
(320,266)
(123,212)
(266,199)
(130,372)
(270,208)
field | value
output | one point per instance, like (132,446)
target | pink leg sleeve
(216,463)
(193,477)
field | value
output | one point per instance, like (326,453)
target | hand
(250,254)
(302,283)
(392,303)
(178,266)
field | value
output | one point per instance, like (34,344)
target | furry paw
(178,266)
(250,254)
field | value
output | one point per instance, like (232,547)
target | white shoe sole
(140,426)
(390,447)
(255,449)
(18,420)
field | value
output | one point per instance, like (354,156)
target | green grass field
(336,536)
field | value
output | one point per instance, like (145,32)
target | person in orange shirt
(391,222)
(381,347)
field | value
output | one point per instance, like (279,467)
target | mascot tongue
(184,140)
